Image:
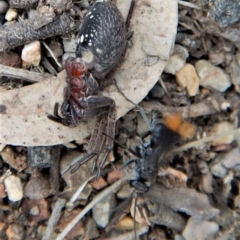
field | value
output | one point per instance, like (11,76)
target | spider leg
(55,117)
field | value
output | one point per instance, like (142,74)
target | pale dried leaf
(184,200)
(25,122)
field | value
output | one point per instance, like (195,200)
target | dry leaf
(154,25)
(183,200)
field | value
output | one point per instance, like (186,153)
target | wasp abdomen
(102,38)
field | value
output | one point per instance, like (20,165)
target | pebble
(232,158)
(212,77)
(203,230)
(217,169)
(10,59)
(219,128)
(70,45)
(11,14)
(99,184)
(157,91)
(101,211)
(206,183)
(15,231)
(177,60)
(31,53)
(3,7)
(216,57)
(39,182)
(235,69)
(14,188)
(187,77)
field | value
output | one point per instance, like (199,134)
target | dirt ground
(167,168)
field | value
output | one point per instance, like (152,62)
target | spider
(101,44)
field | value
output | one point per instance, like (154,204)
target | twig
(56,213)
(188,4)
(24,32)
(27,4)
(98,198)
(52,54)
(23,74)
(195,110)
(204,140)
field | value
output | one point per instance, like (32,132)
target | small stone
(14,188)
(219,128)
(39,182)
(200,230)
(177,60)
(15,231)
(3,7)
(10,59)
(187,77)
(11,14)
(212,77)
(70,45)
(232,158)
(35,210)
(101,211)
(215,57)
(235,69)
(218,170)
(157,91)
(15,160)
(206,183)
(99,184)
(114,176)
(125,191)
(127,223)
(31,53)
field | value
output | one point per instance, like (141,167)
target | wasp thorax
(102,38)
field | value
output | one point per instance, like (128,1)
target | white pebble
(177,60)
(212,77)
(70,45)
(14,188)
(31,53)
(11,14)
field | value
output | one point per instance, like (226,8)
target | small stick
(188,4)
(56,213)
(204,140)
(97,199)
(195,110)
(20,33)
(23,4)
(25,75)
(51,53)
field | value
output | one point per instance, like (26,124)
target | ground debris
(21,33)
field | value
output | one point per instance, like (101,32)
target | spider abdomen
(102,38)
